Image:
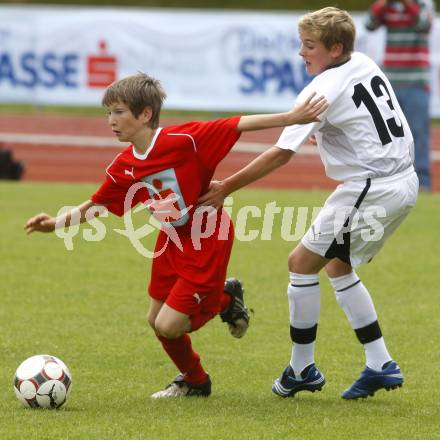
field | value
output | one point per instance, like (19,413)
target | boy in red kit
(167,169)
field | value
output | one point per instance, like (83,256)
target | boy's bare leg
(172,324)
(172,328)
(153,311)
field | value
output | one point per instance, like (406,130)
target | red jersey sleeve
(214,139)
(110,195)
(113,191)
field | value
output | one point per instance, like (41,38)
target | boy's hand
(308,111)
(214,197)
(312,140)
(41,223)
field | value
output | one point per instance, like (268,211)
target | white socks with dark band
(358,306)
(304,307)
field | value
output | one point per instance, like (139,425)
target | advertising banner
(206,60)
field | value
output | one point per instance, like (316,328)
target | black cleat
(236,315)
(180,388)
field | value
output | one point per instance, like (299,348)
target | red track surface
(87,164)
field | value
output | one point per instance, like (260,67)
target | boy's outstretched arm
(45,223)
(303,113)
(259,167)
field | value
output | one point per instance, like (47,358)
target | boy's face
(315,55)
(124,124)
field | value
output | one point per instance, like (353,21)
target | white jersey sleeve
(364,132)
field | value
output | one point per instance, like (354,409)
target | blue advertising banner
(206,60)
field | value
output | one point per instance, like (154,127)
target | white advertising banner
(206,60)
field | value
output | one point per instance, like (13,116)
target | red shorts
(191,281)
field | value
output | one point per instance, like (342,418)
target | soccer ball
(42,381)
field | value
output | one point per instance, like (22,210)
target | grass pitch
(88,307)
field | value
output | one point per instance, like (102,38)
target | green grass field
(88,307)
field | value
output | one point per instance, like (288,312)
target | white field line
(106,142)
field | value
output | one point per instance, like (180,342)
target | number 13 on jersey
(385,126)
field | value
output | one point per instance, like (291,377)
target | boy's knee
(337,268)
(297,262)
(168,330)
(151,322)
(293,262)
(303,261)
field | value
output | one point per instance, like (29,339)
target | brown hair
(331,25)
(137,92)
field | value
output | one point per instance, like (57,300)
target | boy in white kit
(364,141)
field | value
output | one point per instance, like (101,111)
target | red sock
(225,301)
(185,358)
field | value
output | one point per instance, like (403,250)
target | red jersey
(174,171)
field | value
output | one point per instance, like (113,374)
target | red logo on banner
(101,68)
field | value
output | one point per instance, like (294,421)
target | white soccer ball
(42,381)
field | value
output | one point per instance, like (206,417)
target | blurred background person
(407,65)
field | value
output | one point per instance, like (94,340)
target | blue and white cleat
(370,381)
(287,385)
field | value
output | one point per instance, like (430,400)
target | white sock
(303,355)
(304,308)
(377,354)
(358,306)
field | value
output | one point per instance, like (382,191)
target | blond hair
(137,92)
(332,26)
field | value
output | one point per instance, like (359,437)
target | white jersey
(364,133)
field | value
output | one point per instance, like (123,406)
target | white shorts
(359,216)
